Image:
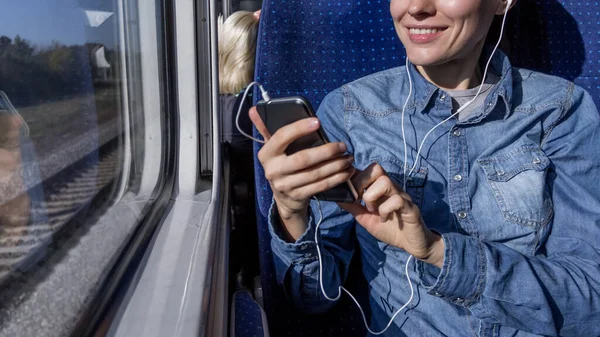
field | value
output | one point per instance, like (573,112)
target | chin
(424,58)
(421,55)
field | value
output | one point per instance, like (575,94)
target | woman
(498,205)
(237,50)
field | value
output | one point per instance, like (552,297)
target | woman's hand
(391,217)
(297,178)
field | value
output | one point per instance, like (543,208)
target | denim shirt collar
(424,91)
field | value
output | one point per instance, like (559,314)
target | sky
(44,21)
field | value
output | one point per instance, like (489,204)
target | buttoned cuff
(462,277)
(303,251)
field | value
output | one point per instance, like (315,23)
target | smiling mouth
(426,31)
(424,35)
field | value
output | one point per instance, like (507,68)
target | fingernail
(350,159)
(342,147)
(314,123)
(382,219)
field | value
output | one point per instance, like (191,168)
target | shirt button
(459,301)
(536,161)
(456,133)
(437,294)
(458,177)
(443,97)
(500,173)
(462,215)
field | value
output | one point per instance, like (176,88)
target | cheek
(463,8)
(473,16)
(401,33)
(398,8)
(476,28)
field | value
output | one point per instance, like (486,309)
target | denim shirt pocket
(415,182)
(517,178)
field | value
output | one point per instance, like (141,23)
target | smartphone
(279,112)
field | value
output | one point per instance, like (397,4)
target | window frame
(181,289)
(158,181)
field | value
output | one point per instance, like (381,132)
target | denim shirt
(514,190)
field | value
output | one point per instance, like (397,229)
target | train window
(82,151)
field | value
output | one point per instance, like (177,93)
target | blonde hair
(237,49)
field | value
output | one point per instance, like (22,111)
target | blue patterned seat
(310,47)
(247,317)
(559,38)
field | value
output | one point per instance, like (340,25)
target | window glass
(75,121)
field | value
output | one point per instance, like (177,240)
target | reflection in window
(67,99)
(64,107)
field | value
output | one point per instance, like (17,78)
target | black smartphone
(279,112)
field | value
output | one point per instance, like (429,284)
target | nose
(421,8)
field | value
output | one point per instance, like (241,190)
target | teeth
(416,31)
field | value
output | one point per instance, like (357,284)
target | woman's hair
(237,49)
